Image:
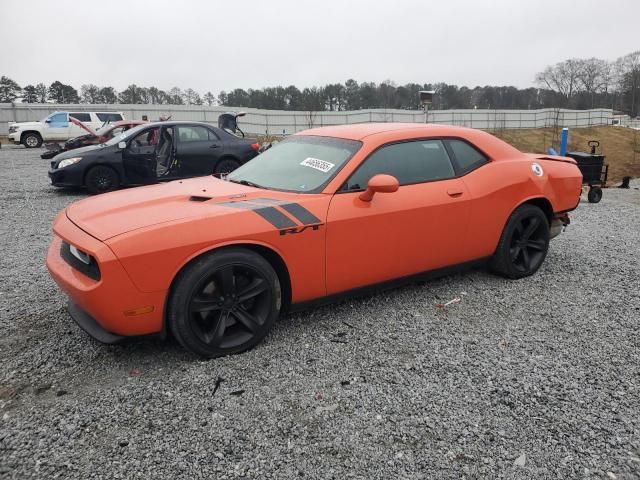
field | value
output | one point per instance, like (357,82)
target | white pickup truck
(56,127)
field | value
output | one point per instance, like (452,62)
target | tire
(594,195)
(523,244)
(101,179)
(206,312)
(226,165)
(32,140)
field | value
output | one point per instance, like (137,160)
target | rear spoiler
(553,158)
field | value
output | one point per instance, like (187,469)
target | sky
(221,45)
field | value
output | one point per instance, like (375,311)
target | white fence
(286,122)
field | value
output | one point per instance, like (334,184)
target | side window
(410,162)
(60,117)
(193,133)
(145,139)
(82,116)
(109,117)
(466,156)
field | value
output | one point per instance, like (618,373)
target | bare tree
(594,76)
(627,70)
(562,77)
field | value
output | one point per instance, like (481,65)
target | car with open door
(152,153)
(325,213)
(90,137)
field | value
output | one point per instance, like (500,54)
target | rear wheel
(594,195)
(224,303)
(32,140)
(101,179)
(226,165)
(523,244)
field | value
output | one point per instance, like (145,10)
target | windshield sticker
(318,164)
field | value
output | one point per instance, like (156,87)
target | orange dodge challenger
(326,212)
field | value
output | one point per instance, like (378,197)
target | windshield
(303,164)
(124,136)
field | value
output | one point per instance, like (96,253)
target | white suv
(57,127)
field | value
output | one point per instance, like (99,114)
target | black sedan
(151,153)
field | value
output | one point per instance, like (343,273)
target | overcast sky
(215,45)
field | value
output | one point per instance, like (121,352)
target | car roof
(178,122)
(361,130)
(120,123)
(382,133)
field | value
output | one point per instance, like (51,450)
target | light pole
(426,98)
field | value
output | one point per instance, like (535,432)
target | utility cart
(594,170)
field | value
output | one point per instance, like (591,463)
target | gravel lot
(537,378)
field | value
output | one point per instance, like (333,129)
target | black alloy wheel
(101,179)
(524,243)
(224,303)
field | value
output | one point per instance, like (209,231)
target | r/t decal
(292,231)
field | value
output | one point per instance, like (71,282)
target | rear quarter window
(82,116)
(466,156)
(109,117)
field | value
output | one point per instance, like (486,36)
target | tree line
(573,83)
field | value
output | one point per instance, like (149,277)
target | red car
(324,213)
(104,134)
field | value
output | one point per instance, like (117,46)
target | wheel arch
(265,251)
(542,203)
(100,164)
(26,132)
(227,156)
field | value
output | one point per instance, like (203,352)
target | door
(420,227)
(139,157)
(56,127)
(198,150)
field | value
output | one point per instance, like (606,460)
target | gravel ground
(537,378)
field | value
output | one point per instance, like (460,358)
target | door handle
(214,146)
(454,192)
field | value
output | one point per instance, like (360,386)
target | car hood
(108,215)
(25,124)
(77,152)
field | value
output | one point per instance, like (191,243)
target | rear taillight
(255,146)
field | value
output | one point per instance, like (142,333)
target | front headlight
(13,128)
(69,161)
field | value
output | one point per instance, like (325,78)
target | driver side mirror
(48,120)
(122,145)
(380,183)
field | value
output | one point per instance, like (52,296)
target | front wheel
(224,303)
(101,179)
(32,140)
(523,244)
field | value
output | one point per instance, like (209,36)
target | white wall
(278,121)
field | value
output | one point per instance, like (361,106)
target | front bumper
(108,308)
(89,324)
(14,137)
(69,176)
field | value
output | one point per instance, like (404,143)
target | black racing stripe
(303,215)
(270,214)
(275,217)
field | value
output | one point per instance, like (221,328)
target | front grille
(91,269)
